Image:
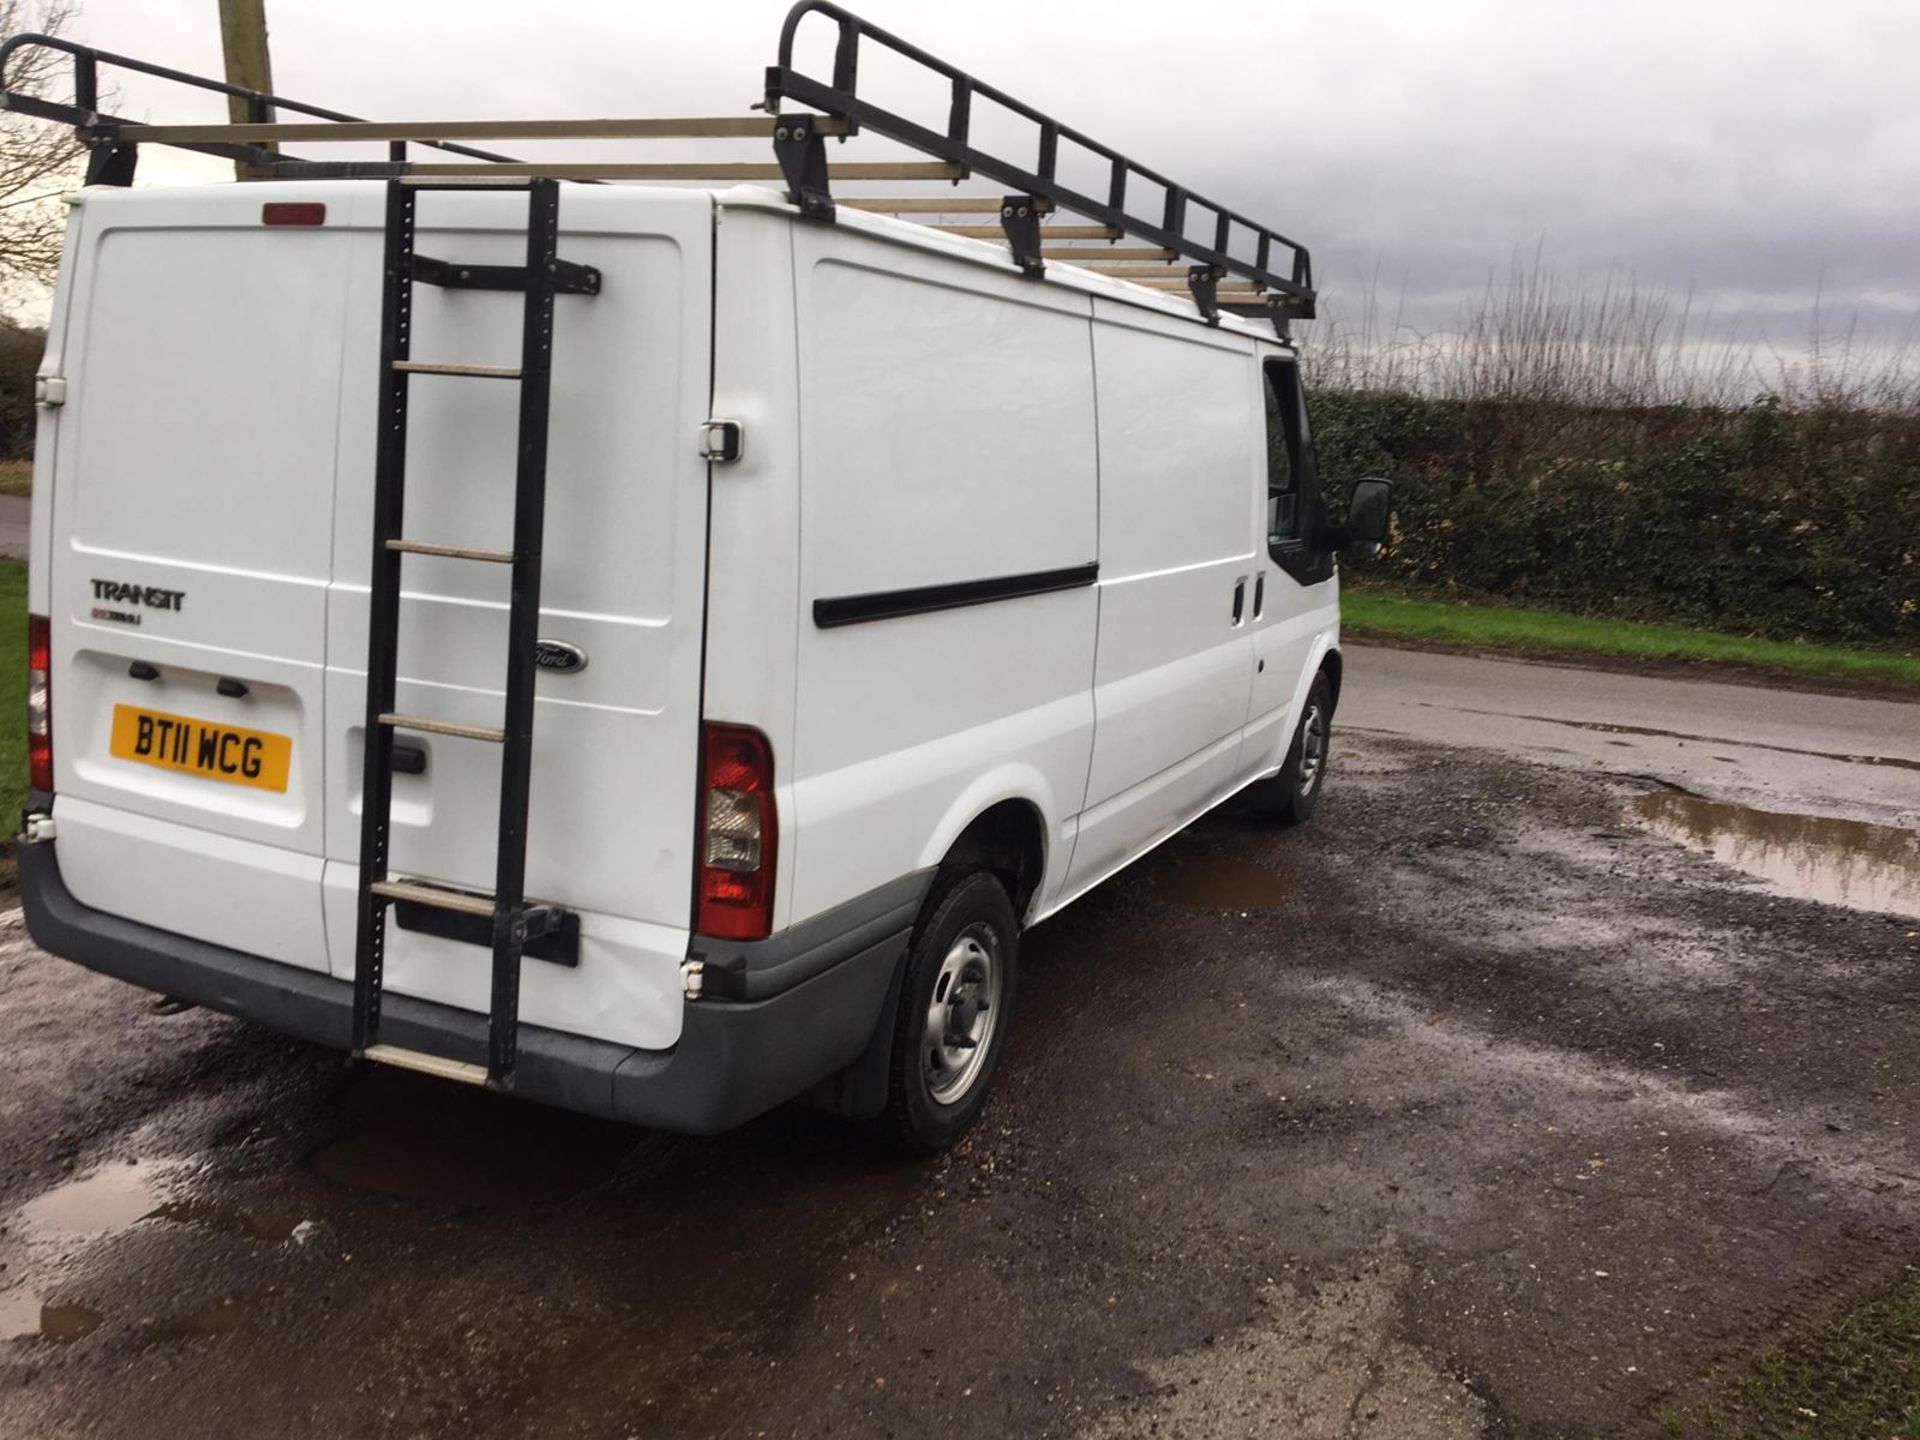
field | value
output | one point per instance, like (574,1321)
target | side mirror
(1368,513)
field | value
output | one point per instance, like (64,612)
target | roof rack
(1237,266)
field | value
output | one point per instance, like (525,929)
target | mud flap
(859,1092)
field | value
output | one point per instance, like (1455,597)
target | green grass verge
(1546,632)
(16,477)
(1857,1376)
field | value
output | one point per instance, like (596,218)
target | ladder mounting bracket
(1204,282)
(802,153)
(1020,219)
(558,943)
(568,278)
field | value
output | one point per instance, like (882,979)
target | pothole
(53,1225)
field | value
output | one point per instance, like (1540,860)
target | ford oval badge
(559,657)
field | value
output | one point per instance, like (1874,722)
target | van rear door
(192,511)
(212,525)
(616,743)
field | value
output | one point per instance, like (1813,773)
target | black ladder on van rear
(516,927)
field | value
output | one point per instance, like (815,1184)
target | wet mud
(1221,885)
(1471,1107)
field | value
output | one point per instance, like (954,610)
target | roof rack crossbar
(114,133)
(787,86)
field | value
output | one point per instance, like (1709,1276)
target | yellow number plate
(200,747)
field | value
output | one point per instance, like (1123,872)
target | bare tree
(38,160)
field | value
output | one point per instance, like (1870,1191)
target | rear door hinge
(721,441)
(50,390)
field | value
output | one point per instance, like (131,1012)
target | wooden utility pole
(243,36)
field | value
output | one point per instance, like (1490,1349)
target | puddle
(1222,885)
(263,1222)
(98,1203)
(422,1139)
(91,1207)
(1841,862)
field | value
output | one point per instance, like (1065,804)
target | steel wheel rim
(1313,749)
(963,1014)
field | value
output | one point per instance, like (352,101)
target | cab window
(1294,516)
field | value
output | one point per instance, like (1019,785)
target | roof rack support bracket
(111,161)
(569,278)
(802,153)
(1204,282)
(1020,220)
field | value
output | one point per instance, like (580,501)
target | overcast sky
(1755,152)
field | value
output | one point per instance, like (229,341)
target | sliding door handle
(1239,599)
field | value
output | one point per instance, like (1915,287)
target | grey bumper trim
(734,1060)
(761,969)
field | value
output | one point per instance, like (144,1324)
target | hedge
(19,358)
(1761,520)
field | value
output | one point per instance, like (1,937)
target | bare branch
(37,159)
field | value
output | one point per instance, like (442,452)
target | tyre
(955,1003)
(1291,795)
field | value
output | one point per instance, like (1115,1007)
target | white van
(900,585)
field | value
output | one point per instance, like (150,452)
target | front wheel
(1291,795)
(955,1003)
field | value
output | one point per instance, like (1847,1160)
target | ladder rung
(1047,232)
(476,181)
(443,727)
(719,171)
(923,205)
(452,552)
(483,372)
(1083,254)
(679,127)
(437,1065)
(456,900)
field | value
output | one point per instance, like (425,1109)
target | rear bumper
(735,1058)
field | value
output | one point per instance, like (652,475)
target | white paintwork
(915,412)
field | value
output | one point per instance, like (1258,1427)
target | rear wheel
(955,1002)
(1291,795)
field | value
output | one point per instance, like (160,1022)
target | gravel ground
(1469,1109)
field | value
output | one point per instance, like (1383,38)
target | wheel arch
(1006,835)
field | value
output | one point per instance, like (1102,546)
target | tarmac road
(1477,1106)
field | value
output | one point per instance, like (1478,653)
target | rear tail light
(39,704)
(738,834)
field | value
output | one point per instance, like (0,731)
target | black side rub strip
(892,604)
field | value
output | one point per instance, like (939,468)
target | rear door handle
(1239,599)
(409,759)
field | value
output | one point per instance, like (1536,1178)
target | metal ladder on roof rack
(515,924)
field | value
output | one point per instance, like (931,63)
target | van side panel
(1178,443)
(947,436)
